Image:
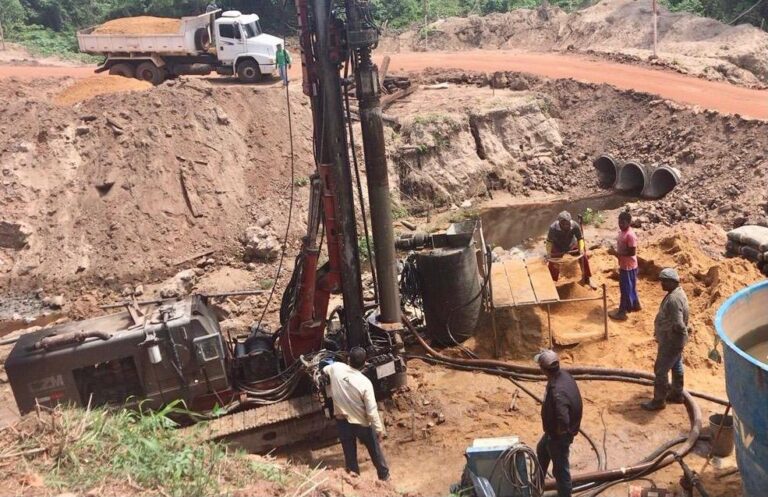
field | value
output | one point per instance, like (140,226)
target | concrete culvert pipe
(607,169)
(662,180)
(632,178)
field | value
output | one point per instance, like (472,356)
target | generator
(500,467)
(175,351)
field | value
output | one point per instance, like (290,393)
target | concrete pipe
(662,180)
(607,168)
(633,177)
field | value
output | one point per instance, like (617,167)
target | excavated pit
(519,224)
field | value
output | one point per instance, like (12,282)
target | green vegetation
(300,182)
(593,217)
(266,283)
(78,450)
(399,211)
(365,250)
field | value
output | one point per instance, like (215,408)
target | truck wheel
(148,71)
(248,71)
(122,69)
(202,39)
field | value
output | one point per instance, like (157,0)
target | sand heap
(88,88)
(141,25)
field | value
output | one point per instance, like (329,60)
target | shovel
(714,354)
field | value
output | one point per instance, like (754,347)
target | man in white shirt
(356,412)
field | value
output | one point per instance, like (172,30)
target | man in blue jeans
(356,412)
(561,418)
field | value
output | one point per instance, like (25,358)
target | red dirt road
(722,97)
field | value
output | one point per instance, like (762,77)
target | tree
(11,14)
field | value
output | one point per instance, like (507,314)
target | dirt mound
(687,43)
(127,185)
(88,88)
(140,25)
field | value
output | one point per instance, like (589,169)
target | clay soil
(122,189)
(86,89)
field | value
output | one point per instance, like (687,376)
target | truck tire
(148,71)
(202,39)
(122,69)
(248,71)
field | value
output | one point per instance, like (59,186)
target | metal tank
(742,324)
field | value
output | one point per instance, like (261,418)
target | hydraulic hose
(616,374)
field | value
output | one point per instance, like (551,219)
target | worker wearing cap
(671,333)
(356,412)
(565,237)
(283,61)
(561,418)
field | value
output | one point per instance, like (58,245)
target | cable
(746,12)
(359,183)
(290,202)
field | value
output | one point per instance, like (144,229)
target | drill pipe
(694,413)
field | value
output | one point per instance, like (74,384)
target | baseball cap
(547,359)
(669,274)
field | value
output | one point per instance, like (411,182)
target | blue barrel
(742,324)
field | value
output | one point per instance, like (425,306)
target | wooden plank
(541,280)
(519,281)
(502,293)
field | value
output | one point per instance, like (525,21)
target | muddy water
(755,343)
(512,224)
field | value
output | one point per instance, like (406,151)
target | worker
(671,333)
(211,7)
(356,413)
(561,418)
(565,237)
(283,61)
(626,253)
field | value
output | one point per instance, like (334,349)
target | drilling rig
(267,387)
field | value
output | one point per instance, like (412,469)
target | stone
(259,244)
(127,291)
(263,222)
(186,275)
(139,290)
(56,302)
(82,130)
(221,116)
(466,204)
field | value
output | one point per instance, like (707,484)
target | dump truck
(232,44)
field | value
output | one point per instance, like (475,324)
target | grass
(300,182)
(399,211)
(593,217)
(78,450)
(45,42)
(365,250)
(266,283)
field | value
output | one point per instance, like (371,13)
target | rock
(440,418)
(186,276)
(127,291)
(56,302)
(139,290)
(170,291)
(263,222)
(259,244)
(251,266)
(466,204)
(221,116)
(82,130)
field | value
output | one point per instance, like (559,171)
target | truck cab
(242,47)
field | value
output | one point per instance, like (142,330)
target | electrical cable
(290,204)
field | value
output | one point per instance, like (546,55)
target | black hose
(694,413)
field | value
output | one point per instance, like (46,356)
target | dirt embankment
(534,135)
(123,186)
(616,28)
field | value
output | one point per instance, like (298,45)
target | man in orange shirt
(626,253)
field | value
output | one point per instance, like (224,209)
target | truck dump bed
(180,43)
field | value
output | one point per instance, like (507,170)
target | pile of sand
(141,25)
(87,88)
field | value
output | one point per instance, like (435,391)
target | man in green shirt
(283,60)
